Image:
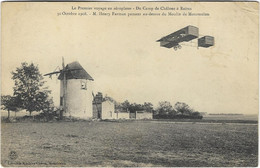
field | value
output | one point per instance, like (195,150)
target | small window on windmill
(84,85)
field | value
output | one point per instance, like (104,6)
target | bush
(45,116)
(194,115)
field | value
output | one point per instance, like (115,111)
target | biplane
(186,34)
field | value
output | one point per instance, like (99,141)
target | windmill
(64,71)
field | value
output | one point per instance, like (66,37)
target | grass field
(136,143)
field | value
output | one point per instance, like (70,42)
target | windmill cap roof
(75,71)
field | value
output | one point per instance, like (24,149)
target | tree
(125,105)
(196,115)
(29,88)
(183,108)
(148,106)
(164,108)
(135,107)
(9,103)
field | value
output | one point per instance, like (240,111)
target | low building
(103,108)
(122,114)
(108,110)
(143,115)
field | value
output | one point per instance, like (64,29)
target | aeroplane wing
(173,36)
(185,34)
(169,44)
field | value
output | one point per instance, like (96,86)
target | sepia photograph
(129,84)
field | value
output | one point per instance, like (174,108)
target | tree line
(31,94)
(164,110)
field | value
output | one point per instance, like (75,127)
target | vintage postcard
(129,84)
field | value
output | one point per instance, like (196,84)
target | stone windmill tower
(76,91)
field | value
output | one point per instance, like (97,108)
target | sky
(126,62)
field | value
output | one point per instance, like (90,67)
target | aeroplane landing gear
(177,47)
